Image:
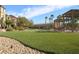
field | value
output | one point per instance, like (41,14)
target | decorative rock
(11,46)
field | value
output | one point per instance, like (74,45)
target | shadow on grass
(46,52)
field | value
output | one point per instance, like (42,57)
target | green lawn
(47,41)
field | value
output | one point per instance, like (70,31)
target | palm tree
(59,17)
(46,19)
(51,20)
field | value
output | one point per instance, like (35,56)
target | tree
(23,22)
(59,17)
(46,19)
(30,23)
(51,20)
(73,24)
(2,24)
(8,23)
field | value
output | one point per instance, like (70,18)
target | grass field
(47,41)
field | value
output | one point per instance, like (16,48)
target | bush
(19,28)
(9,29)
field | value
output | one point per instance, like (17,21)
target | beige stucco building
(2,16)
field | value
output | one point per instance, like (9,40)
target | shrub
(19,28)
(9,29)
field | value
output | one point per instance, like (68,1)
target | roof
(2,6)
(12,16)
(72,12)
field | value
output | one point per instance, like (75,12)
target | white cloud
(36,11)
(12,13)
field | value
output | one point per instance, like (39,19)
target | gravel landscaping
(11,46)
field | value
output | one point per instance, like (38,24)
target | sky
(37,13)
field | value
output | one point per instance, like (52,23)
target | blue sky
(38,12)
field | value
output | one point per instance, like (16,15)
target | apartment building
(66,18)
(2,16)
